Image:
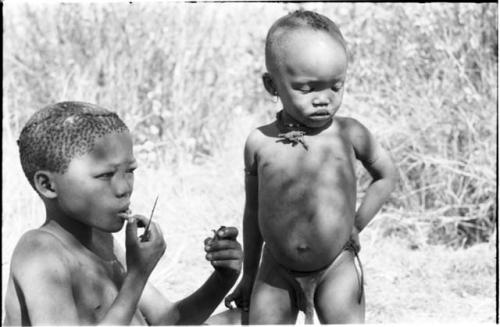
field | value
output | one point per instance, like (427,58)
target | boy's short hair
(299,19)
(56,134)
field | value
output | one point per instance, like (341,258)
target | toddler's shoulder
(260,134)
(353,129)
(349,124)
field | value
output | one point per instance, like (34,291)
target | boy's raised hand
(143,255)
(224,252)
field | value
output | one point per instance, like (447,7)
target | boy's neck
(81,232)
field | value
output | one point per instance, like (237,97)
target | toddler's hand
(224,252)
(241,294)
(143,255)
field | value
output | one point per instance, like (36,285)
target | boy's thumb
(131,232)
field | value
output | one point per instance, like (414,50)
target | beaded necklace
(293,132)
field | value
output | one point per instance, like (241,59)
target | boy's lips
(125,213)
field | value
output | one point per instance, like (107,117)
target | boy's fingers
(218,245)
(228,233)
(141,220)
(152,234)
(224,255)
(131,232)
(227,301)
(228,263)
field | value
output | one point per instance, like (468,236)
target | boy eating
(70,271)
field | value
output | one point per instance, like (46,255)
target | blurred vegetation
(422,77)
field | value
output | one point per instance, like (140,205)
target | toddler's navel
(302,248)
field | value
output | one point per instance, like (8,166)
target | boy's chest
(96,282)
(95,286)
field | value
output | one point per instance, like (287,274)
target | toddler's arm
(379,165)
(252,238)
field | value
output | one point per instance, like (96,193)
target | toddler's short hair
(56,134)
(299,19)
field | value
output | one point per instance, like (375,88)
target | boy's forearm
(197,308)
(376,195)
(126,303)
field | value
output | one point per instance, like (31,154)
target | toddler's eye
(131,170)
(337,87)
(306,89)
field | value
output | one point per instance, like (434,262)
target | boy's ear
(269,84)
(44,184)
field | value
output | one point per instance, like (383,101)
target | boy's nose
(124,186)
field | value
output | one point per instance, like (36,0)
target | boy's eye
(106,175)
(131,170)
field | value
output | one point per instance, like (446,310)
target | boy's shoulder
(37,248)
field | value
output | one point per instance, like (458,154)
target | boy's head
(79,158)
(306,59)
(56,134)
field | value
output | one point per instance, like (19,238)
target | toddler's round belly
(306,245)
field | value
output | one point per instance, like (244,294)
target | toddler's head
(306,60)
(299,20)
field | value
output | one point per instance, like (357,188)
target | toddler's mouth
(321,113)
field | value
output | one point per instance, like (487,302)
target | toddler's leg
(271,301)
(338,294)
(271,304)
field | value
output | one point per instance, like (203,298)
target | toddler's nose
(321,101)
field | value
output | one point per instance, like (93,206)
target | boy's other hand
(241,294)
(224,252)
(142,256)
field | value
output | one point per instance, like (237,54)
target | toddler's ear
(44,184)
(269,84)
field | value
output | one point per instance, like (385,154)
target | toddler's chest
(312,154)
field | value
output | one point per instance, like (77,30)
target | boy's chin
(112,228)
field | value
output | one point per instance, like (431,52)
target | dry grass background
(186,79)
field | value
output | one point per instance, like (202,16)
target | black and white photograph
(249,163)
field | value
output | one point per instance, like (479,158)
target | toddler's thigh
(271,302)
(271,305)
(337,296)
